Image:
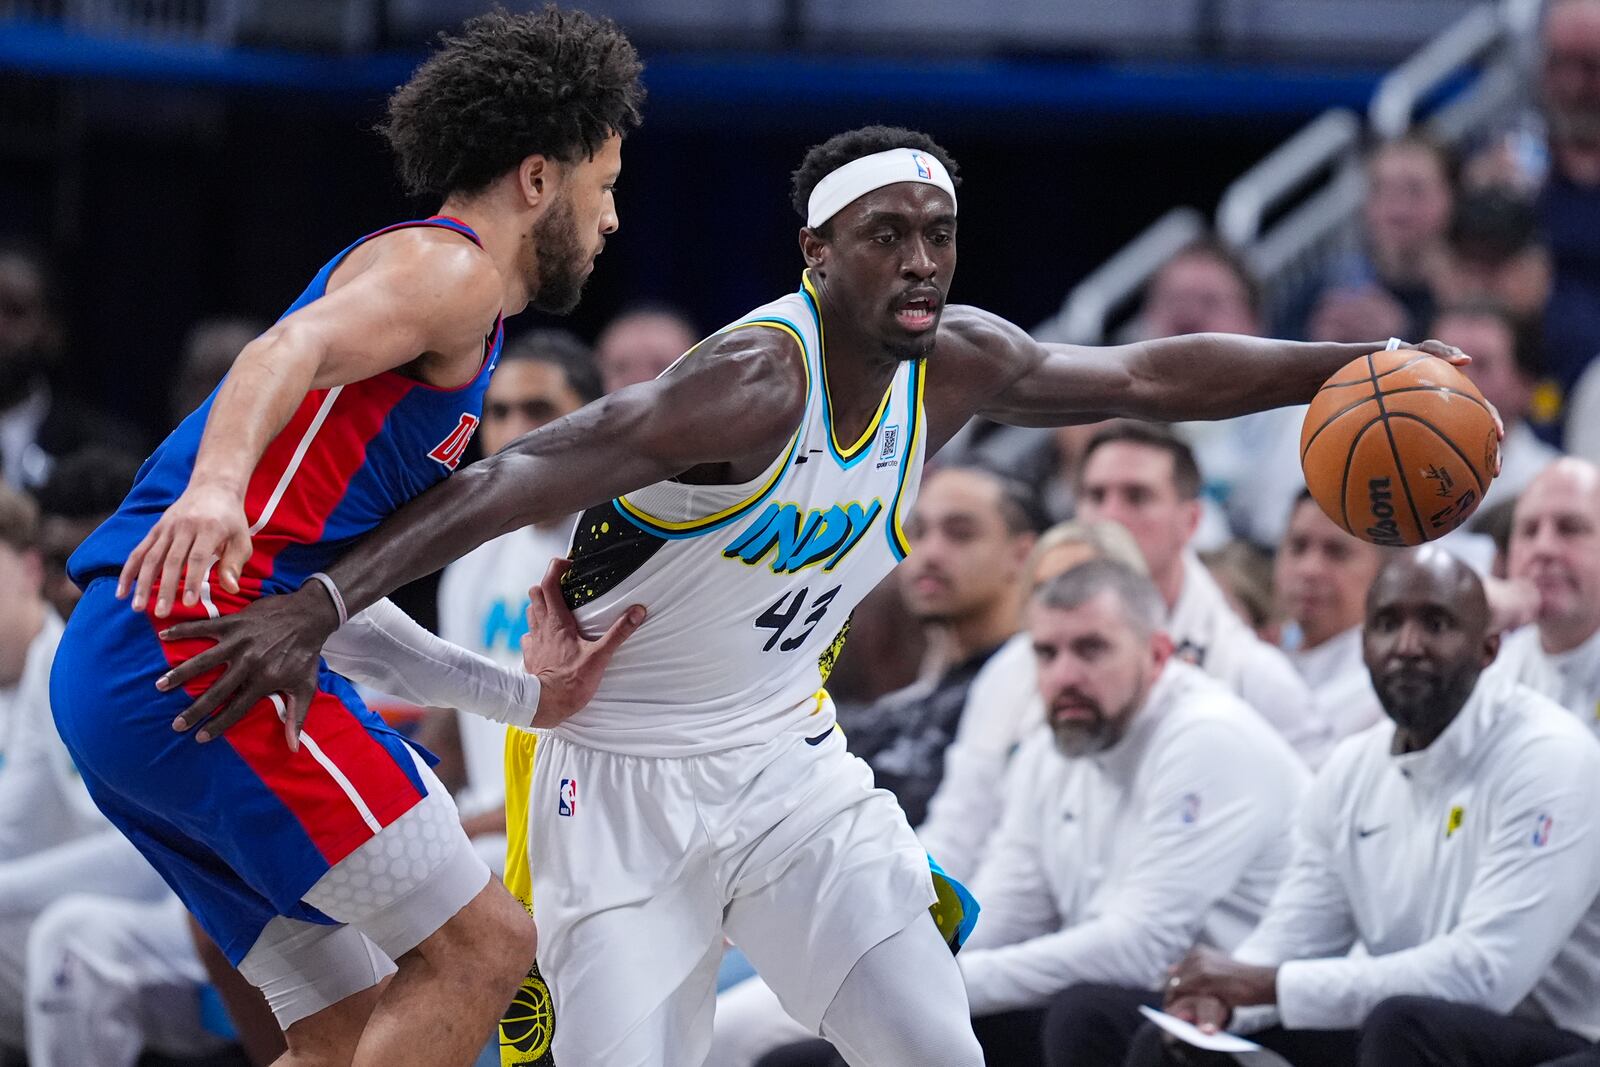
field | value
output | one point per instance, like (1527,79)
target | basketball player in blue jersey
(749,497)
(330,859)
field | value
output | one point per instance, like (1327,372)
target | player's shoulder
(745,363)
(965,330)
(435,259)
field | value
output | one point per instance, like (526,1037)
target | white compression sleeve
(385,648)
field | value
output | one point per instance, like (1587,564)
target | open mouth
(917,313)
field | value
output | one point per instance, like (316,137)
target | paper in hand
(1244,1051)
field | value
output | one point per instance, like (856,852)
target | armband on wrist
(333,594)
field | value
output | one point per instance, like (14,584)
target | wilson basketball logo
(450,450)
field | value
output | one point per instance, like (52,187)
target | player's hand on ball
(1457,358)
(271,647)
(204,525)
(568,664)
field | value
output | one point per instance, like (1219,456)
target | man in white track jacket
(1455,844)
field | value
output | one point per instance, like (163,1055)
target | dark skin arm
(721,416)
(984,365)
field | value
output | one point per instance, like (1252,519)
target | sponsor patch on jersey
(889,451)
(567,802)
(1541,829)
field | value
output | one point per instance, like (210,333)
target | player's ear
(813,247)
(534,174)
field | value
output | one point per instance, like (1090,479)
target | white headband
(861,176)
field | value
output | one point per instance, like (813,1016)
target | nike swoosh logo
(823,736)
(1366,833)
(1068,816)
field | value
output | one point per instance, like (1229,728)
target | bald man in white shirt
(1555,546)
(1455,845)
(1144,477)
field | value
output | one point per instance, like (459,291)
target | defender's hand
(271,647)
(568,665)
(203,525)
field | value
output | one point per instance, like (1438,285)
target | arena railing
(1293,212)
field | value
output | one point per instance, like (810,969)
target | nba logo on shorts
(567,803)
(1189,809)
(1541,829)
(923,170)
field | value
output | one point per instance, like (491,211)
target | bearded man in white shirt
(1153,811)
(1555,547)
(1144,477)
(1455,844)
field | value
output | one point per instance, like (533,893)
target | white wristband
(333,594)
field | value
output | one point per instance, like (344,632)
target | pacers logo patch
(528,1025)
(567,802)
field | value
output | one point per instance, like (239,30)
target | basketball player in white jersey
(749,498)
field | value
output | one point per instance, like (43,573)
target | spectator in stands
(1454,845)
(1555,546)
(53,841)
(640,343)
(1505,367)
(483,596)
(39,422)
(209,349)
(1004,706)
(1145,478)
(1496,255)
(1244,574)
(81,492)
(110,979)
(1248,463)
(1387,286)
(1181,795)
(1321,576)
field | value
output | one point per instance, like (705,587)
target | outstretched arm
(736,401)
(427,294)
(1001,372)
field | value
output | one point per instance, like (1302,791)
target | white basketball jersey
(749,587)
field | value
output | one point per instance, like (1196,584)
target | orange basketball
(1398,447)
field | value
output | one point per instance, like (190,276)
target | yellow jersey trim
(848,457)
(671,529)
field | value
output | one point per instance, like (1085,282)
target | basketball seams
(1482,488)
(1329,421)
(1394,449)
(1365,379)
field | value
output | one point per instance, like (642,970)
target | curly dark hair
(554,83)
(825,158)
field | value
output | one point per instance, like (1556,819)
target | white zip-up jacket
(1571,678)
(1107,868)
(1207,632)
(1468,871)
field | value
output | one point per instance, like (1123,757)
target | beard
(559,260)
(1429,704)
(1078,739)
